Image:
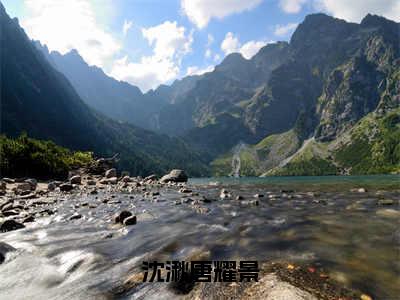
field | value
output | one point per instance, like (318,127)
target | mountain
(39,100)
(115,99)
(331,106)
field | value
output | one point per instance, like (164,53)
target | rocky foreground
(24,201)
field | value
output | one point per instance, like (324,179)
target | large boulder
(111,173)
(175,176)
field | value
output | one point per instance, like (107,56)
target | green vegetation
(312,167)
(25,156)
(374,146)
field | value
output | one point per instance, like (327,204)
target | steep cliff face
(336,74)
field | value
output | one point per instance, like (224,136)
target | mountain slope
(337,73)
(39,100)
(115,99)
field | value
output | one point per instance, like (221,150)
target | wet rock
(3,185)
(150,178)
(104,181)
(66,187)
(113,180)
(178,202)
(91,182)
(386,202)
(258,196)
(8,180)
(51,186)
(4,248)
(11,212)
(185,191)
(175,176)
(10,225)
(358,190)
(75,179)
(111,173)
(29,219)
(23,187)
(32,182)
(239,197)
(119,218)
(130,221)
(155,193)
(388,213)
(75,216)
(126,179)
(93,192)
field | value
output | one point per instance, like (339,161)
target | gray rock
(111,173)
(91,182)
(3,185)
(10,225)
(385,202)
(130,221)
(75,216)
(23,187)
(258,195)
(104,181)
(151,177)
(32,182)
(4,248)
(75,179)
(51,186)
(126,179)
(66,187)
(175,176)
(8,180)
(113,180)
(28,219)
(11,212)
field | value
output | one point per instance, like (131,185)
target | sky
(153,42)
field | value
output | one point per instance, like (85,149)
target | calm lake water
(317,221)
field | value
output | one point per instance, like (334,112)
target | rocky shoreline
(23,201)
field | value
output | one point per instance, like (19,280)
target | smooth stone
(385,202)
(130,221)
(32,182)
(75,216)
(175,176)
(66,187)
(119,218)
(75,179)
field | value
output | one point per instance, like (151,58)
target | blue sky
(150,42)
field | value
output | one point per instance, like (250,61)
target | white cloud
(232,44)
(170,43)
(249,49)
(200,12)
(217,57)
(355,10)
(66,25)
(292,6)
(125,28)
(284,30)
(194,70)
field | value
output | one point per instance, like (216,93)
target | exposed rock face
(175,176)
